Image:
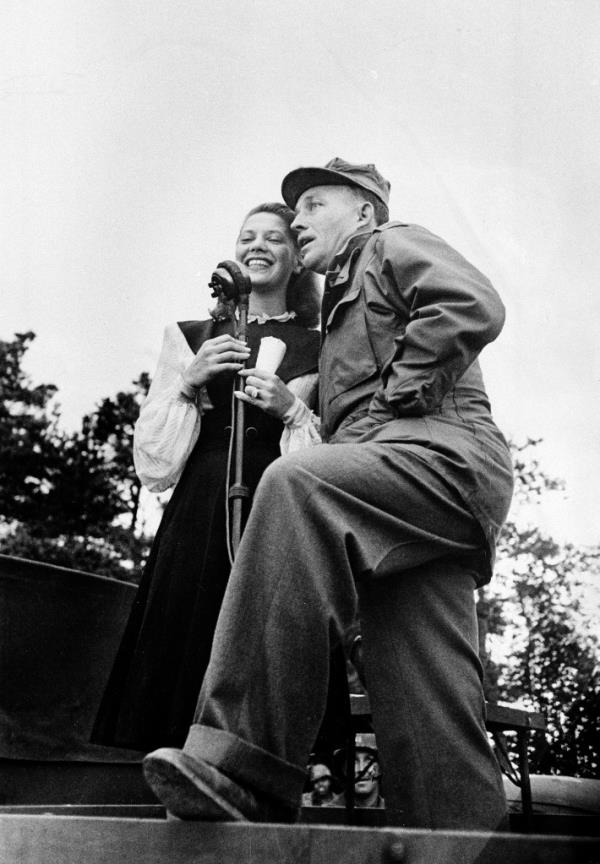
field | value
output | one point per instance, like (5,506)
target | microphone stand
(239,491)
(231,285)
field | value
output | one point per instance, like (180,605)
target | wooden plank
(360,705)
(25,781)
(501,717)
(72,840)
(121,811)
(504,717)
(567,824)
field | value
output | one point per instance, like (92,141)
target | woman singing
(182,439)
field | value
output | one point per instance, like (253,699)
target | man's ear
(366,214)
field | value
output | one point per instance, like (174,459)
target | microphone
(230,283)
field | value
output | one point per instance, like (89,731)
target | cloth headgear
(337,172)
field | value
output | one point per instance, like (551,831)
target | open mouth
(257,263)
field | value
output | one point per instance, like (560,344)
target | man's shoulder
(408,240)
(402,232)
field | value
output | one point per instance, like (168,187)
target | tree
(535,612)
(110,428)
(70,499)
(28,431)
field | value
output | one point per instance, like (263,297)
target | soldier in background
(321,792)
(367,773)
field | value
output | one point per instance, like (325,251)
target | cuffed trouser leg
(321,519)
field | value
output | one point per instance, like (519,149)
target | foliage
(68,498)
(111,429)
(28,426)
(536,611)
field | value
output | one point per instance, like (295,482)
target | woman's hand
(266,391)
(214,357)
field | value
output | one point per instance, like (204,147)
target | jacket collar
(339,277)
(345,258)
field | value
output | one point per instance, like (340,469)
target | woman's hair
(304,288)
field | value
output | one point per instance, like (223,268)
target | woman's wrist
(296,414)
(188,390)
(198,396)
(191,393)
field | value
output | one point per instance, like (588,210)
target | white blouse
(170,421)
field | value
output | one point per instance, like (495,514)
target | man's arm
(452,312)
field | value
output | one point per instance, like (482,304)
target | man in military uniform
(367,773)
(321,792)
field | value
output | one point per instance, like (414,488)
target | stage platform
(72,839)
(65,801)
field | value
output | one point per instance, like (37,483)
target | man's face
(366,772)
(322,785)
(325,217)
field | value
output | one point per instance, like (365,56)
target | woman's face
(267,250)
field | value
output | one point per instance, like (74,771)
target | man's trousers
(335,531)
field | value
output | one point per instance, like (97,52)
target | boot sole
(177,781)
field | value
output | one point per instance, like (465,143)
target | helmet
(365,741)
(319,772)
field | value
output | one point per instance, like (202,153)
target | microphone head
(230,280)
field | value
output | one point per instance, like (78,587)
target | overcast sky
(135,135)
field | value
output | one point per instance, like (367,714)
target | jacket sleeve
(169,422)
(451,312)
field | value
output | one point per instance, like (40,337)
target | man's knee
(285,473)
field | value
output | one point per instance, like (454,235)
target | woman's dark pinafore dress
(155,682)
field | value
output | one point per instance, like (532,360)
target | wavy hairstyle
(304,289)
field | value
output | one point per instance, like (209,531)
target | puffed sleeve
(169,422)
(451,309)
(301,424)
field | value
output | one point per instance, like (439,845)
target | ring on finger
(252,392)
